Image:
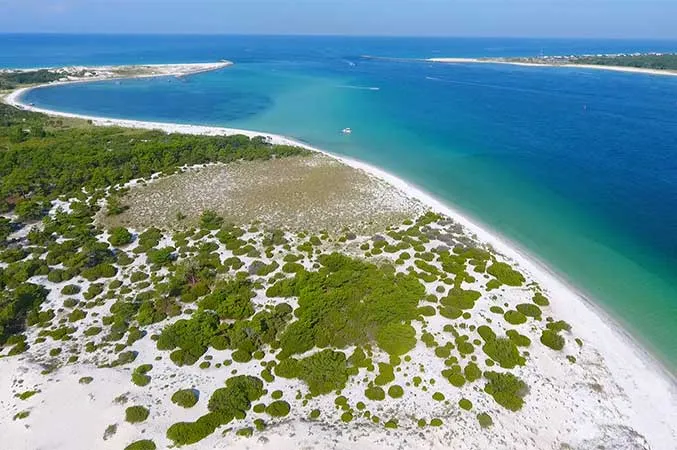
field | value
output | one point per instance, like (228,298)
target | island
(167,285)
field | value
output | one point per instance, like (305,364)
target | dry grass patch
(298,193)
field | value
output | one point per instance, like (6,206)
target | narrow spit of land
(650,63)
(424,331)
(15,78)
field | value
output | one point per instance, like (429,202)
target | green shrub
(485,420)
(552,339)
(139,376)
(187,433)
(231,300)
(120,236)
(504,352)
(185,398)
(145,444)
(450,312)
(136,414)
(519,339)
(461,299)
(93,290)
(236,398)
(506,389)
(540,299)
(385,374)
(210,220)
(396,339)
(70,289)
(245,432)
(514,317)
(529,310)
(506,274)
(26,395)
(334,313)
(101,271)
(395,391)
(472,372)
(278,408)
(76,315)
(191,337)
(346,417)
(558,326)
(465,404)
(375,393)
(324,371)
(162,256)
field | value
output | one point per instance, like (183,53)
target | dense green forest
(11,80)
(649,61)
(42,159)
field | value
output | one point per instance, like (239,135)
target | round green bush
(438,396)
(436,422)
(552,339)
(145,444)
(314,414)
(529,310)
(485,420)
(70,289)
(514,317)
(466,404)
(259,408)
(278,408)
(242,356)
(496,310)
(347,417)
(375,393)
(395,391)
(540,299)
(136,414)
(185,398)
(119,236)
(277,395)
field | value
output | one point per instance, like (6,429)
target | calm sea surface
(577,166)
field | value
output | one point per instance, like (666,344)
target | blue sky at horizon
(653,19)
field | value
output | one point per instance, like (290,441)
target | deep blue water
(577,166)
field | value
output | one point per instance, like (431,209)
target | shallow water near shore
(577,167)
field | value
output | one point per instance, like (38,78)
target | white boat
(346,131)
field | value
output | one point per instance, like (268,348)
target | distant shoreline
(508,61)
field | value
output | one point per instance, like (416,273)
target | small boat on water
(346,131)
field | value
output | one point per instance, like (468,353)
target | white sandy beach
(644,393)
(573,66)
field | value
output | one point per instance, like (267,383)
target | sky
(510,18)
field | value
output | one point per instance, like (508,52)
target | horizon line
(329,35)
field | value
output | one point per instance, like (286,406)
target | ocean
(578,167)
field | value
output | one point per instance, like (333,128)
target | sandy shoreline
(650,388)
(572,66)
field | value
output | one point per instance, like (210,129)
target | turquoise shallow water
(577,166)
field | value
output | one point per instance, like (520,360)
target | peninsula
(168,285)
(648,63)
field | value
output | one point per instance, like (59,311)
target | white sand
(642,393)
(579,66)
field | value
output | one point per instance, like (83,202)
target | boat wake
(362,88)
